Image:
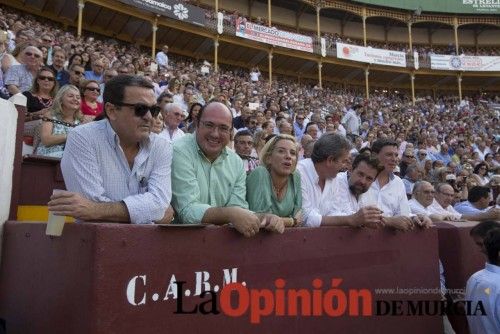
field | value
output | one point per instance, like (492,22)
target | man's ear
(110,110)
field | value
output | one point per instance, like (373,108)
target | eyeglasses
(141,109)
(211,126)
(43,77)
(409,156)
(78,72)
(178,114)
(94,89)
(31,54)
(446,194)
(48,40)
(300,118)
(424,154)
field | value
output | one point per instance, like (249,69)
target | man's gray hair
(418,185)
(330,145)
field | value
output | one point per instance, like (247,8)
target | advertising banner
(465,63)
(371,55)
(273,36)
(443,6)
(173,9)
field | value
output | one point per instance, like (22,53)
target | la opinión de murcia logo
(180,11)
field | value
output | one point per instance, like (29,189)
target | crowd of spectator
(447,137)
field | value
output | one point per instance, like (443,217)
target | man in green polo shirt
(208,179)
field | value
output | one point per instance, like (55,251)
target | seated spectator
(480,174)
(192,118)
(274,187)
(208,179)
(158,124)
(19,78)
(108,75)
(412,176)
(97,72)
(407,159)
(312,130)
(90,92)
(60,119)
(478,202)
(285,128)
(75,59)
(76,75)
(268,127)
(184,99)
(58,60)
(259,140)
(129,183)
(484,287)
(423,197)
(388,191)
(243,146)
(42,93)
(172,117)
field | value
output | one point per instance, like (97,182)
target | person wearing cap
(172,117)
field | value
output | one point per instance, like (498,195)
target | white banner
(465,63)
(273,36)
(371,55)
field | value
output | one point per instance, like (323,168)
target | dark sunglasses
(141,109)
(78,72)
(31,54)
(43,77)
(47,40)
(94,89)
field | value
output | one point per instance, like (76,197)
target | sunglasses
(31,54)
(94,89)
(78,72)
(141,109)
(43,77)
(47,40)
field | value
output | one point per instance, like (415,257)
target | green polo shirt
(198,184)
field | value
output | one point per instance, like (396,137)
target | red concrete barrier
(111,278)
(461,258)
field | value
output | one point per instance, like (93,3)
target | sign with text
(173,9)
(465,63)
(273,36)
(371,55)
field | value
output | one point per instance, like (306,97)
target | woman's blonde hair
(268,149)
(56,109)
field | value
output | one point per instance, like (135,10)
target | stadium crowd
(235,148)
(63,78)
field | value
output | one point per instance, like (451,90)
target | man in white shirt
(347,198)
(330,156)
(352,121)
(423,196)
(442,203)
(172,117)
(388,191)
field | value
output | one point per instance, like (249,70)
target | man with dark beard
(347,201)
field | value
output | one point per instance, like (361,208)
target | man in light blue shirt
(116,169)
(484,287)
(162,58)
(478,203)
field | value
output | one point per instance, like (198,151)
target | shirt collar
(492,268)
(222,155)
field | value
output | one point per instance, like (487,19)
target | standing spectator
(254,74)
(90,92)
(19,78)
(162,58)
(42,93)
(484,287)
(352,121)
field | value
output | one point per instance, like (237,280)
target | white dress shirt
(162,59)
(391,198)
(315,203)
(178,133)
(417,208)
(343,202)
(436,208)
(94,165)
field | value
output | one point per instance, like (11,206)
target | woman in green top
(274,186)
